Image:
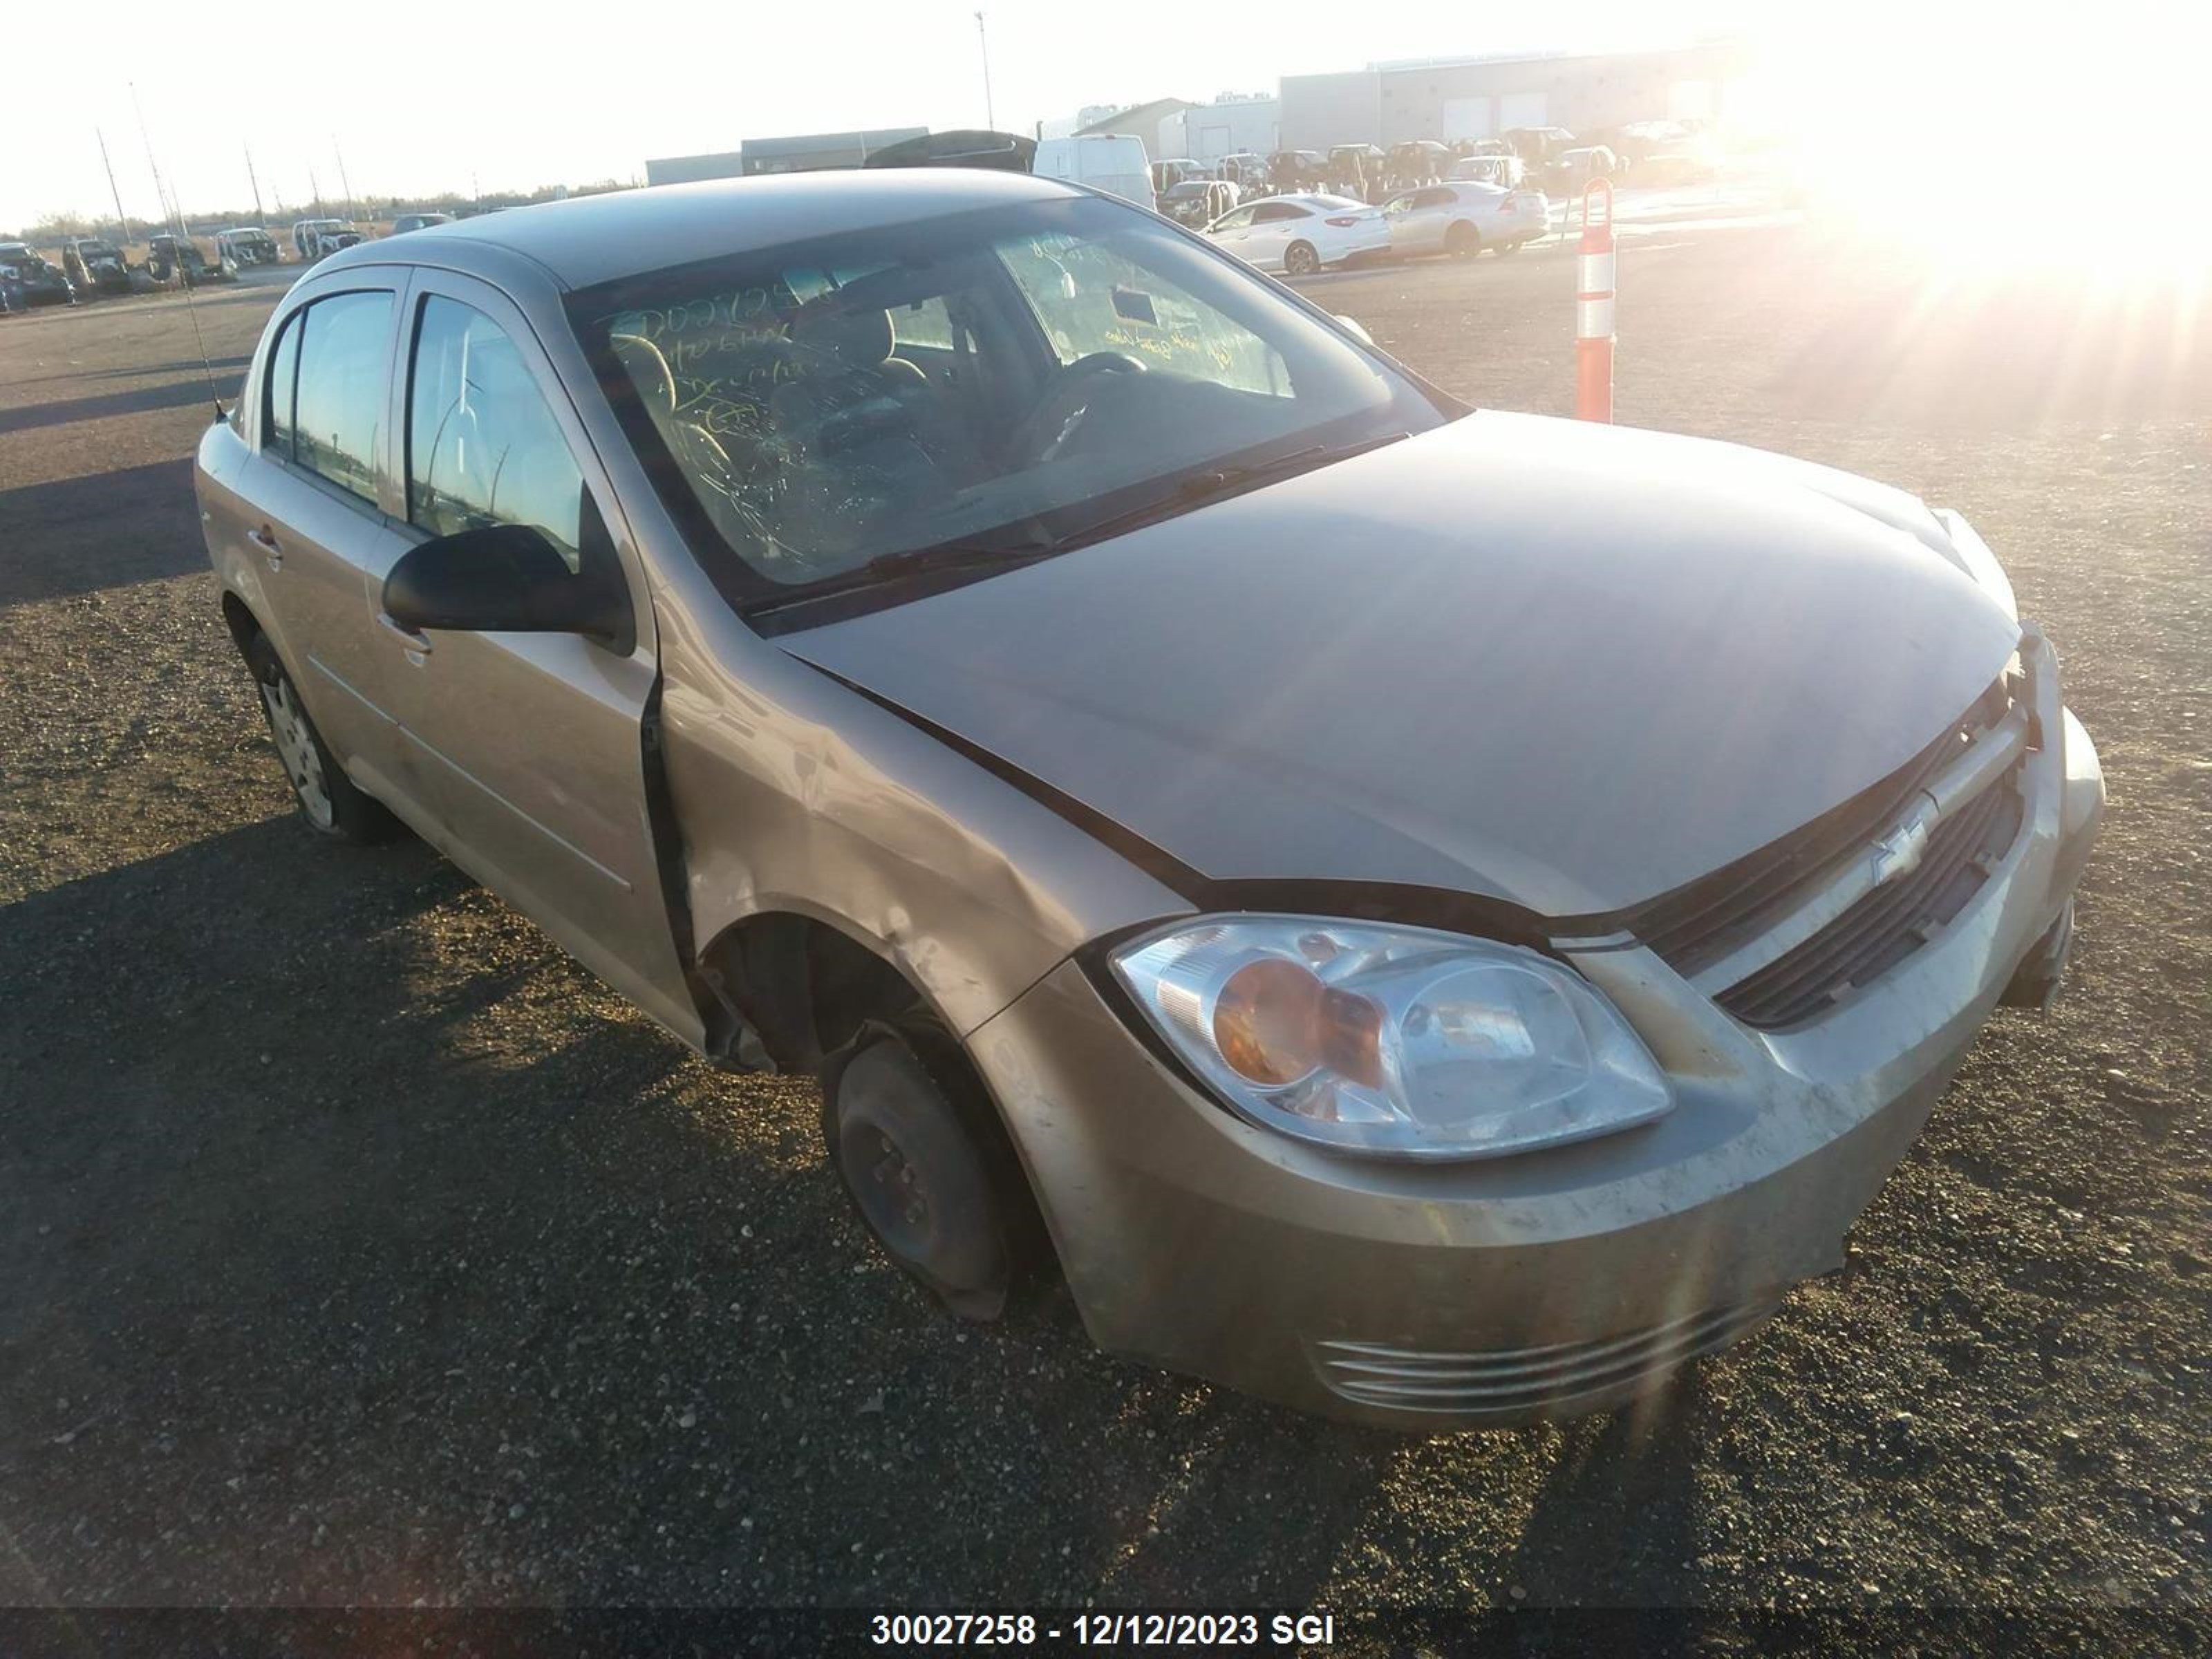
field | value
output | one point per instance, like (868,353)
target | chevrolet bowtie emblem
(1899,851)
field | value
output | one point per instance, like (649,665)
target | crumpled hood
(1568,666)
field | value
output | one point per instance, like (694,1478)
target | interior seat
(697,449)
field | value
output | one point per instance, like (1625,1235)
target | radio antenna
(176,221)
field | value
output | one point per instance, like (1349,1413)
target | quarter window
(283,373)
(339,406)
(483,447)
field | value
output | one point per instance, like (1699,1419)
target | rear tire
(1299,260)
(1463,240)
(326,798)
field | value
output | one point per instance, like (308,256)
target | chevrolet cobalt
(1213,821)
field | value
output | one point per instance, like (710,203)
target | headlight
(1397,1041)
(1976,559)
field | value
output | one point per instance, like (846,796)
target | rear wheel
(914,1142)
(326,796)
(1463,240)
(1299,260)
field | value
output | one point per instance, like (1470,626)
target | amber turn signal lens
(1274,1023)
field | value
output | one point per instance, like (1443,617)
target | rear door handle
(265,539)
(417,644)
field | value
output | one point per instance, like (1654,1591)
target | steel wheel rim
(1303,263)
(295,748)
(894,1198)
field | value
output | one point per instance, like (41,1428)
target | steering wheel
(1053,422)
(1112,362)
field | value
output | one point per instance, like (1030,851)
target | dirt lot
(357,1246)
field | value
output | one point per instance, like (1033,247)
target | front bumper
(1545,1285)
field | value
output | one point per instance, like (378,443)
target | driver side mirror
(505,579)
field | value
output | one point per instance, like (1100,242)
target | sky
(424,97)
(431,95)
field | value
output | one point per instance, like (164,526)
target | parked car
(1537,145)
(1244,169)
(1671,168)
(1464,219)
(1300,234)
(1113,163)
(1504,170)
(966,146)
(242,246)
(94,265)
(1198,201)
(1418,161)
(1296,169)
(31,280)
(171,258)
(1176,170)
(317,239)
(1207,817)
(1567,173)
(407,221)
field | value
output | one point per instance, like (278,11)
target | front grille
(1706,921)
(1524,1380)
(1887,924)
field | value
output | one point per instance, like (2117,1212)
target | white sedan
(1463,218)
(1298,234)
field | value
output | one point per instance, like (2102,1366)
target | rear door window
(344,361)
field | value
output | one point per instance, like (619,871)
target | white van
(1114,161)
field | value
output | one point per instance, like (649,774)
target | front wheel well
(816,997)
(804,986)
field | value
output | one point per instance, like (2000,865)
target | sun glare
(2016,136)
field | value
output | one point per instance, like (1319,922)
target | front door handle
(418,645)
(265,539)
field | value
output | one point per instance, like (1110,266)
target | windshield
(1019,374)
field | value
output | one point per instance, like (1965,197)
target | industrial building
(807,152)
(1389,103)
(1170,126)
(1455,98)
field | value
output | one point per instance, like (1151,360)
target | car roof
(589,240)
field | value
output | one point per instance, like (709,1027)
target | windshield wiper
(1214,484)
(966,557)
(993,554)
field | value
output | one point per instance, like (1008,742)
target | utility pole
(317,211)
(346,184)
(257,214)
(122,224)
(170,215)
(983,45)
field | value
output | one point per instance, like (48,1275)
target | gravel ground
(358,1246)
